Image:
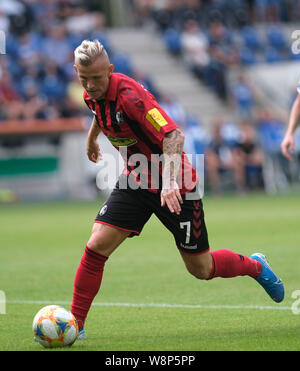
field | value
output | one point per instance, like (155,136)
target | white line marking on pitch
(156,305)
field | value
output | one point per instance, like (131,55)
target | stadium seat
(272,55)
(122,64)
(172,41)
(276,38)
(251,38)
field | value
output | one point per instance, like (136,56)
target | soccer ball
(55,327)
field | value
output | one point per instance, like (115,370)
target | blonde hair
(88,51)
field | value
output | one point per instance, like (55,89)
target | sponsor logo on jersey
(193,247)
(156,119)
(121,142)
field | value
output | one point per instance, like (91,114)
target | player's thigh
(199,265)
(190,234)
(105,239)
(124,210)
(188,228)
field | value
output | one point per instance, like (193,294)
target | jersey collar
(111,93)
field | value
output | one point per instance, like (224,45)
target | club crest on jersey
(119,117)
(121,142)
(103,210)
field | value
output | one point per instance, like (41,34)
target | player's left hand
(172,198)
(287,146)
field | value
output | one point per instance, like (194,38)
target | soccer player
(131,118)
(287,145)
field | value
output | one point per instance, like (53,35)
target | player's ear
(75,68)
(110,69)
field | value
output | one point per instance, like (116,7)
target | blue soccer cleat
(268,279)
(81,335)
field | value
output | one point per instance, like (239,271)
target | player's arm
(92,148)
(287,145)
(172,151)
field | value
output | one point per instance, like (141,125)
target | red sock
(87,283)
(228,264)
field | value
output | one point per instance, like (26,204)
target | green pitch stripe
(157,305)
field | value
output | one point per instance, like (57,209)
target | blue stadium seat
(172,41)
(251,38)
(122,64)
(276,37)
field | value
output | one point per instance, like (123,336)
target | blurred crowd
(213,35)
(234,13)
(37,79)
(36,73)
(244,155)
(209,37)
(241,154)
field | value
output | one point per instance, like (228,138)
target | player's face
(95,78)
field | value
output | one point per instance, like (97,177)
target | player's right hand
(93,152)
(172,198)
(287,146)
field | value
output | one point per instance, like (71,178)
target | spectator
(20,15)
(34,106)
(271,132)
(166,16)
(195,49)
(267,10)
(173,108)
(10,101)
(243,98)
(54,83)
(29,49)
(56,46)
(222,158)
(251,154)
(32,77)
(4,22)
(196,141)
(39,60)
(80,22)
(223,54)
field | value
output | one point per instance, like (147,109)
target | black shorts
(129,210)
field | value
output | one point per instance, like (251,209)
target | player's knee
(202,272)
(99,243)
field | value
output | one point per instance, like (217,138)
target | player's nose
(90,85)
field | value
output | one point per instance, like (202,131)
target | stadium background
(225,71)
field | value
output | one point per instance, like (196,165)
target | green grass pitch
(41,245)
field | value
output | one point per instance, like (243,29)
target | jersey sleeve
(141,107)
